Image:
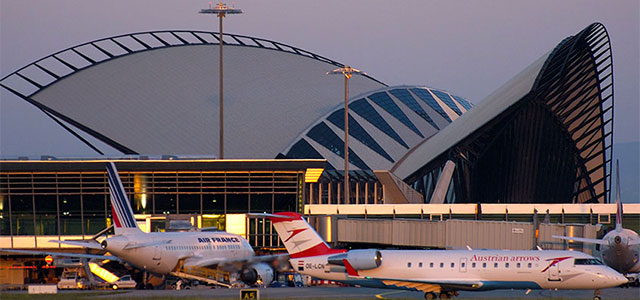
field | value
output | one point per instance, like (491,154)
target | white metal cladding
(165,101)
(494,104)
(490,234)
(390,142)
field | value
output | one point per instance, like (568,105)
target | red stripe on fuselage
(319,249)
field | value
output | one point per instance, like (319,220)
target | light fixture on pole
(347,72)
(221,10)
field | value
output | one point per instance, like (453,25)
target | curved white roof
(164,99)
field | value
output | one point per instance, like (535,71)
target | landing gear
(442,295)
(429,296)
(596,295)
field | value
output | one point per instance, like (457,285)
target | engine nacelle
(260,271)
(365,259)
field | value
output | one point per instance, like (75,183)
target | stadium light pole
(347,72)
(221,10)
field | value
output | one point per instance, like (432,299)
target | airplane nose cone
(620,279)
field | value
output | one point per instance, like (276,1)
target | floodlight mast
(347,72)
(221,10)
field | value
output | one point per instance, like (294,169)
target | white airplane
(171,252)
(620,247)
(440,272)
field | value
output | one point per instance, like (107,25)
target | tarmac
(350,293)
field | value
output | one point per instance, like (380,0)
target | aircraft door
(463,265)
(554,273)
(157,253)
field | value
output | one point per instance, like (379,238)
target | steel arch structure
(552,144)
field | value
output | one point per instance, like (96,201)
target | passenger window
(453,265)
(484,265)
(408,264)
(420,265)
(441,265)
(430,265)
(518,265)
(473,265)
(463,264)
(495,265)
(506,265)
(529,265)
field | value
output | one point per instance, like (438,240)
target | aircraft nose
(620,279)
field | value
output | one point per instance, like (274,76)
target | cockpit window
(588,261)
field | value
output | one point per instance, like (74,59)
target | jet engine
(261,271)
(364,259)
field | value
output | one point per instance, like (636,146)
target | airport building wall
(41,200)
(458,234)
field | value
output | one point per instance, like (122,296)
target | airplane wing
(431,285)
(241,261)
(61,254)
(149,244)
(91,244)
(582,240)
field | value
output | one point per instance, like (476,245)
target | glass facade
(447,100)
(356,131)
(64,203)
(466,104)
(365,110)
(385,102)
(406,98)
(323,135)
(424,94)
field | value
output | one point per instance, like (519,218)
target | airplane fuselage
(619,254)
(161,252)
(491,269)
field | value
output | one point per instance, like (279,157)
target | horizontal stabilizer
(91,244)
(61,254)
(582,240)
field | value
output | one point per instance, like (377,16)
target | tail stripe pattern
(123,214)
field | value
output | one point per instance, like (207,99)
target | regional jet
(440,272)
(620,247)
(182,254)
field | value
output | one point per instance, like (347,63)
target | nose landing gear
(596,295)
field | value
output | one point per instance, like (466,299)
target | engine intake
(261,271)
(365,259)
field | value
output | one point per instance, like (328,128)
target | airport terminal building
(537,148)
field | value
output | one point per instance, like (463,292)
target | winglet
(350,270)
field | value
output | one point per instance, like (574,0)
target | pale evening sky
(469,48)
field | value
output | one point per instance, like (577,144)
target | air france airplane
(440,272)
(168,252)
(620,247)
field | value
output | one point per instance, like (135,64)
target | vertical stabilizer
(123,220)
(618,201)
(298,236)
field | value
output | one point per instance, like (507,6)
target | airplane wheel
(429,296)
(596,297)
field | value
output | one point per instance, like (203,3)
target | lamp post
(221,10)
(347,72)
